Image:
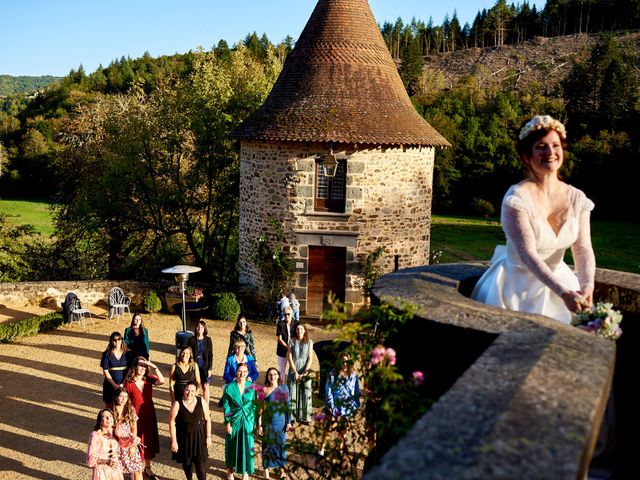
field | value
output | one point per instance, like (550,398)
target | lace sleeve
(515,202)
(517,226)
(583,256)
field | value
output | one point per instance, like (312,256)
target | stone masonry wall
(90,292)
(388,203)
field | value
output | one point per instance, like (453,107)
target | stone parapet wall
(530,405)
(388,203)
(90,292)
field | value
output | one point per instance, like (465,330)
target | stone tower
(339,99)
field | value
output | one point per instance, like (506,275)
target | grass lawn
(26,212)
(465,238)
(453,239)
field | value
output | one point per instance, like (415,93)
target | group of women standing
(125,439)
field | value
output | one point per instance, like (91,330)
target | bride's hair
(534,129)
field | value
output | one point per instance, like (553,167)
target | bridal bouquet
(602,320)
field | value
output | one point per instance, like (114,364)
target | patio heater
(181,273)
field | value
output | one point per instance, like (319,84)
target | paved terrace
(51,391)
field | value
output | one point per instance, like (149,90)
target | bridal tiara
(542,121)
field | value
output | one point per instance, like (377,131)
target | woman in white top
(542,216)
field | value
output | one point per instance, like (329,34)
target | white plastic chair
(78,313)
(118,303)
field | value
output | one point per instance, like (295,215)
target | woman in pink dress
(102,452)
(139,386)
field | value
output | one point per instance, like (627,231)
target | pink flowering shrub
(259,389)
(390,400)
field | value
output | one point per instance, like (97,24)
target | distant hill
(542,61)
(10,85)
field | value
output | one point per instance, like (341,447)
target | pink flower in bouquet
(418,377)
(390,353)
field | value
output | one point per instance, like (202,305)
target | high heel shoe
(149,474)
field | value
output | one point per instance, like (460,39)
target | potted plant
(174,295)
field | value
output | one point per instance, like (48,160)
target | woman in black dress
(183,371)
(136,336)
(190,431)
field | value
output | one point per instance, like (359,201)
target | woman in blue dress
(274,422)
(233,361)
(114,363)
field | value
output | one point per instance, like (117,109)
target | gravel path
(51,391)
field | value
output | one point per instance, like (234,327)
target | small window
(330,192)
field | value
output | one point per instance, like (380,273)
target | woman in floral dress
(125,431)
(243,332)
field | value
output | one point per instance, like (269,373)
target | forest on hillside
(11,85)
(139,161)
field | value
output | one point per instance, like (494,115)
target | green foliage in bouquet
(152,302)
(224,306)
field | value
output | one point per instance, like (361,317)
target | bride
(542,216)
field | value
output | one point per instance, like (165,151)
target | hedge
(9,331)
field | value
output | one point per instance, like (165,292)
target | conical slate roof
(340,84)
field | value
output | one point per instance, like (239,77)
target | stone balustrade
(517,395)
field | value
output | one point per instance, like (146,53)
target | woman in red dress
(139,385)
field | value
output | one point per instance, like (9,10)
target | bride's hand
(587,297)
(574,301)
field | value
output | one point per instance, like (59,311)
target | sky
(51,37)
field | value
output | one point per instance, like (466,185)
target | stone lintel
(328,238)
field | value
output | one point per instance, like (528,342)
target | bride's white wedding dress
(529,273)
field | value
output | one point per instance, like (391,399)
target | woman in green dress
(239,415)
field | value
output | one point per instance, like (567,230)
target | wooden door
(327,270)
